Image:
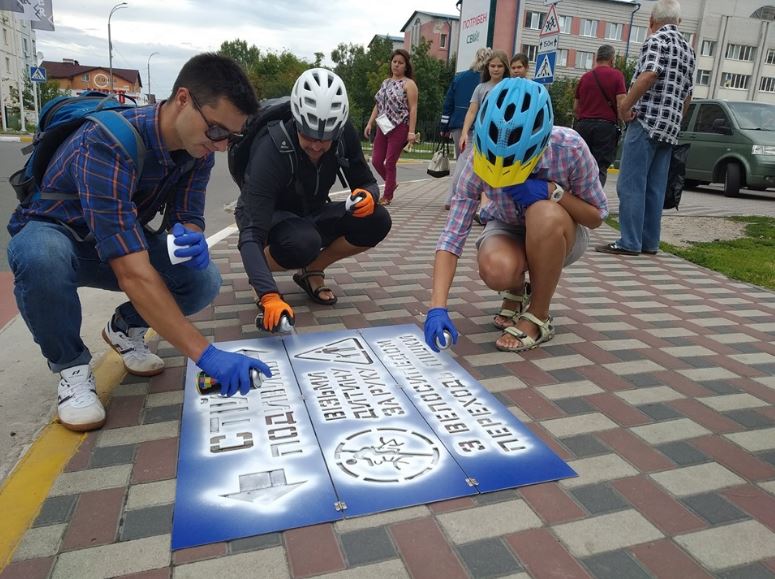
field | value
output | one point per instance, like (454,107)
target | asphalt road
(220,192)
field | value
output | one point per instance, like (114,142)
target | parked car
(732,142)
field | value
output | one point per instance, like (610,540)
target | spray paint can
(206,385)
(447,341)
(353,199)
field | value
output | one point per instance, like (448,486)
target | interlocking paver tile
(649,395)
(313,550)
(706,374)
(95,520)
(488,521)
(381,519)
(755,571)
(606,533)
(670,431)
(544,556)
(137,434)
(615,566)
(665,559)
(585,445)
(755,501)
(91,480)
(659,411)
(385,570)
(634,367)
(147,522)
(40,542)
(425,550)
(735,458)
(692,480)
(569,389)
(112,455)
(29,569)
(367,546)
(755,440)
(488,558)
(56,510)
(595,422)
(704,415)
(730,545)
(201,553)
(599,499)
(732,402)
(598,469)
(115,559)
(634,450)
(682,453)
(714,508)
(750,419)
(271,563)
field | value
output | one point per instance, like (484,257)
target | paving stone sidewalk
(658,389)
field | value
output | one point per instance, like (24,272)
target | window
(85,77)
(531,50)
(732,80)
(565,24)
(584,60)
(562,57)
(589,27)
(741,52)
(7,65)
(767,84)
(613,31)
(703,77)
(687,117)
(770,56)
(708,48)
(710,118)
(24,46)
(443,41)
(5,36)
(534,20)
(638,34)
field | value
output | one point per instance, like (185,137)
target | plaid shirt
(105,178)
(660,110)
(566,161)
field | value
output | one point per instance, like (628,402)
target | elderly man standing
(653,108)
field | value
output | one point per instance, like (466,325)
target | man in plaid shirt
(654,106)
(95,236)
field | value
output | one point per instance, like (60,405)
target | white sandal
(545,333)
(512,315)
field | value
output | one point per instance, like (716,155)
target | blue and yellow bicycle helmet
(511,131)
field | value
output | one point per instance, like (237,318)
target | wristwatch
(557,194)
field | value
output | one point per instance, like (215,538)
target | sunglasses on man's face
(214,131)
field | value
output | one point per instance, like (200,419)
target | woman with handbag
(395,114)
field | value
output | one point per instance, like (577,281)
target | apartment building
(734,39)
(17,54)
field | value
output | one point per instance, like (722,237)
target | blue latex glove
(230,369)
(436,321)
(193,244)
(529,192)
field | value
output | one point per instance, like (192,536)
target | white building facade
(734,40)
(17,54)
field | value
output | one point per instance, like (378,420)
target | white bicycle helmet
(319,104)
(512,130)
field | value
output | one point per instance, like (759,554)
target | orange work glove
(365,207)
(274,307)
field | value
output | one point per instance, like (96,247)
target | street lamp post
(118,6)
(149,74)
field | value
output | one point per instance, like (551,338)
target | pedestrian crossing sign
(544,69)
(37,74)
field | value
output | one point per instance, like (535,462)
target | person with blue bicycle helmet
(545,194)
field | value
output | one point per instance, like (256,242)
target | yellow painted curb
(25,489)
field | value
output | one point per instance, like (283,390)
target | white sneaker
(138,359)
(79,407)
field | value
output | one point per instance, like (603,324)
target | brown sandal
(302,280)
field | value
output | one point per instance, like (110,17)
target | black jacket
(270,186)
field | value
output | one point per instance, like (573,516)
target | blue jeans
(49,266)
(641,188)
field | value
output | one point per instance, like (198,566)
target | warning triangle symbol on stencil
(347,351)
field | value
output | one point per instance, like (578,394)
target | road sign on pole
(545,67)
(548,41)
(37,74)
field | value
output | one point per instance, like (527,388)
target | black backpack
(271,118)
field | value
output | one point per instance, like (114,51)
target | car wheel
(732,179)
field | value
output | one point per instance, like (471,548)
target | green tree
(432,77)
(627,67)
(49,90)
(241,52)
(562,92)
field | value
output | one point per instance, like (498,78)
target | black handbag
(439,164)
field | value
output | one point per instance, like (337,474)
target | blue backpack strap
(123,133)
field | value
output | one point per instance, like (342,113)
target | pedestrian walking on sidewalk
(286,219)
(395,114)
(99,239)
(653,108)
(544,194)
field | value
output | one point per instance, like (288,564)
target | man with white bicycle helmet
(543,185)
(284,213)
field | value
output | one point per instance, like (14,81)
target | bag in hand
(439,165)
(675,176)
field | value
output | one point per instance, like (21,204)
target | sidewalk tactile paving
(658,390)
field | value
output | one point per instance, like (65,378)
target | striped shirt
(566,161)
(105,178)
(660,110)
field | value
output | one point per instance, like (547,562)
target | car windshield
(754,116)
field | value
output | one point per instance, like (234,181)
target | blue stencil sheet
(249,464)
(493,448)
(380,452)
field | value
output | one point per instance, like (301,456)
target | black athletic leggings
(294,242)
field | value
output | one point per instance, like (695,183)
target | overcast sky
(178,29)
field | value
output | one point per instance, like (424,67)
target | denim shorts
(517,232)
